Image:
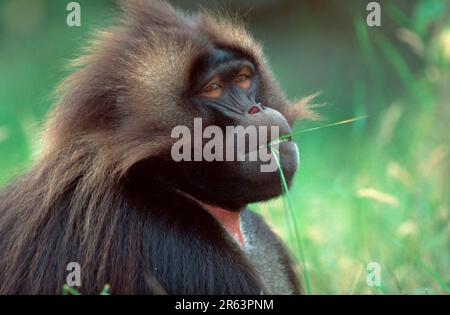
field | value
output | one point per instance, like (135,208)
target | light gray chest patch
(262,250)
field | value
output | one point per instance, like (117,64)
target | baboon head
(160,69)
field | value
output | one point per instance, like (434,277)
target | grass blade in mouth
(282,139)
(343,122)
(291,213)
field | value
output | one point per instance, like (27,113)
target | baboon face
(226,91)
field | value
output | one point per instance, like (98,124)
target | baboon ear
(155,13)
(303,109)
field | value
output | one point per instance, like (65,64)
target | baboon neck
(230,220)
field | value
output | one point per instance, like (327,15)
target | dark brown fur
(73,205)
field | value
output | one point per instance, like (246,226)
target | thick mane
(66,200)
(70,208)
(118,64)
(152,13)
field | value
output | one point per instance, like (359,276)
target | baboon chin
(107,192)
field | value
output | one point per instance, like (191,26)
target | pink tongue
(231,221)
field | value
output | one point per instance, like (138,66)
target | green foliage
(381,197)
(427,12)
(72,291)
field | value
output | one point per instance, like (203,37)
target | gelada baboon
(106,193)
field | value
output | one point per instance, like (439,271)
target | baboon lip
(282,139)
(275,142)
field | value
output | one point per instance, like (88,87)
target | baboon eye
(212,90)
(243,79)
(211,87)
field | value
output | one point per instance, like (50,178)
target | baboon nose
(255,109)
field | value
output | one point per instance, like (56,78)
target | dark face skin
(226,91)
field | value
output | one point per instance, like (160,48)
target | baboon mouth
(276,142)
(273,145)
(282,139)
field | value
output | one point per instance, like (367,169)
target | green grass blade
(294,220)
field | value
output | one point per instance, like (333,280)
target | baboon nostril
(254,110)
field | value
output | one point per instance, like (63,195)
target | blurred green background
(376,190)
